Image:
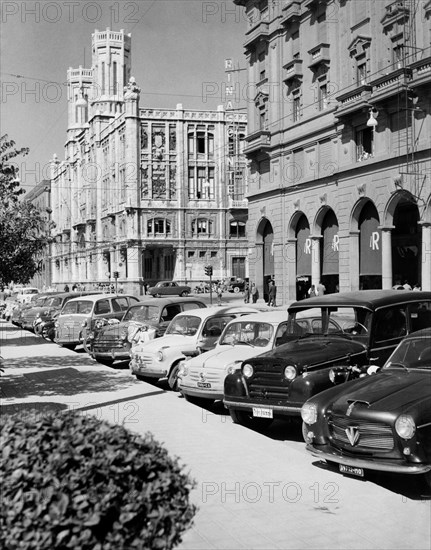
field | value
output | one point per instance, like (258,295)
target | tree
(24,230)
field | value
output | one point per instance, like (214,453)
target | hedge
(71,481)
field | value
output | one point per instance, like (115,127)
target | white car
(24,295)
(188,333)
(202,377)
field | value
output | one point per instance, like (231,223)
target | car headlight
(290,372)
(247,370)
(84,324)
(159,355)
(123,335)
(309,413)
(183,371)
(405,426)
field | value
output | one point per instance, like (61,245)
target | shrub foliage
(72,481)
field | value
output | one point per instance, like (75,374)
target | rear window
(192,305)
(82,307)
(142,314)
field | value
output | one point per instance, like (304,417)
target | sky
(179,49)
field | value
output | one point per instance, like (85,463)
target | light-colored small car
(169,288)
(25,295)
(202,377)
(187,333)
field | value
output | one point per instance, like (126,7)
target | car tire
(199,401)
(184,294)
(246,419)
(106,362)
(427,478)
(236,289)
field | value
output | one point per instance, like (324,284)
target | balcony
(389,85)
(258,141)
(396,12)
(291,12)
(292,70)
(421,72)
(318,55)
(258,33)
(352,101)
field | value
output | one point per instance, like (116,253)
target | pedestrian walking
(66,288)
(320,289)
(219,293)
(246,293)
(254,293)
(272,292)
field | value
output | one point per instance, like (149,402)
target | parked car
(381,422)
(25,294)
(113,342)
(188,332)
(24,310)
(39,318)
(168,288)
(202,377)
(79,314)
(277,383)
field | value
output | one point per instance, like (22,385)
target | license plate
(203,385)
(351,470)
(262,413)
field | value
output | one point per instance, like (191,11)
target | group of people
(405,286)
(316,290)
(251,293)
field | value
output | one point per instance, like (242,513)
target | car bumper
(279,410)
(203,393)
(144,371)
(397,467)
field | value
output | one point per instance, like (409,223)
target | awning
(330,245)
(370,239)
(303,248)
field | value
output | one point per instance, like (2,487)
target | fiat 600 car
(380,422)
(277,383)
(149,318)
(168,288)
(188,333)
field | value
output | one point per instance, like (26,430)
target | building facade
(144,195)
(40,197)
(339,136)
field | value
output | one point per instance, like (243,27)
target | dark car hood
(385,391)
(313,350)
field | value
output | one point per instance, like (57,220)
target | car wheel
(199,401)
(106,362)
(427,477)
(184,294)
(236,289)
(145,378)
(248,420)
(86,344)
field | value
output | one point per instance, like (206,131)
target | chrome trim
(280,408)
(368,465)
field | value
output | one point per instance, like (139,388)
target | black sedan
(380,422)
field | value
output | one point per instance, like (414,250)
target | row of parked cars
(315,362)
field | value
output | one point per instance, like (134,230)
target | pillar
(387,256)
(315,259)
(353,260)
(426,255)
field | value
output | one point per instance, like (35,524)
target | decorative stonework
(323,199)
(362,189)
(132,91)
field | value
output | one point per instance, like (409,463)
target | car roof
(277,316)
(167,301)
(423,333)
(94,297)
(370,299)
(211,311)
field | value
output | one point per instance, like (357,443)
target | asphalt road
(253,490)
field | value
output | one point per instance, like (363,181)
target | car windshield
(352,321)
(53,302)
(184,324)
(411,353)
(40,301)
(142,314)
(251,333)
(82,307)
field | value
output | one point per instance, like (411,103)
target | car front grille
(371,435)
(144,361)
(268,384)
(211,377)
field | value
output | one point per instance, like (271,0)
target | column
(289,260)
(426,255)
(353,260)
(315,259)
(387,256)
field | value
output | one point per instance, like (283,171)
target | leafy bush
(72,481)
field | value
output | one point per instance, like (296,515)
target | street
(253,490)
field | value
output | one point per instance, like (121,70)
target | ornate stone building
(339,135)
(145,194)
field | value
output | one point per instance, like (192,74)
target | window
(398,55)
(238,267)
(361,70)
(201,183)
(202,254)
(390,323)
(236,229)
(201,227)
(201,142)
(296,106)
(102,307)
(213,254)
(114,78)
(323,96)
(262,68)
(190,254)
(364,144)
(158,227)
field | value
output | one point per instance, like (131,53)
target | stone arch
(264,255)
